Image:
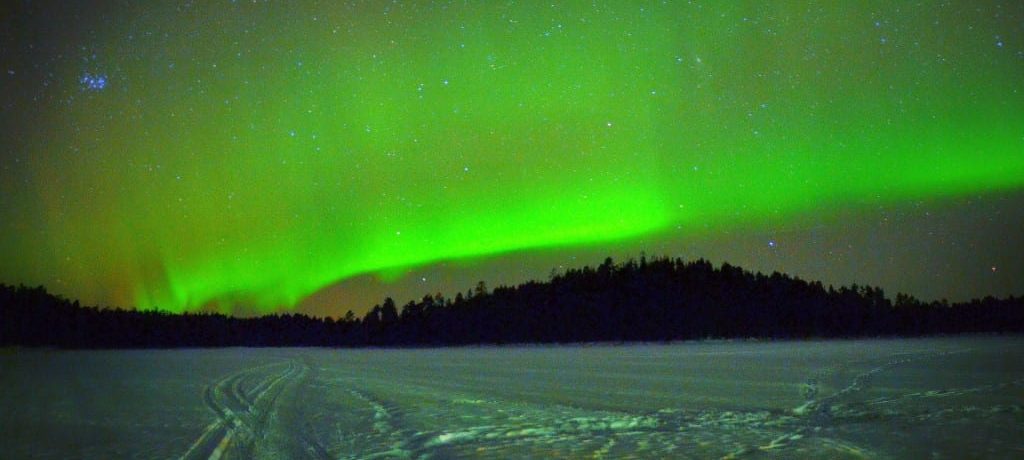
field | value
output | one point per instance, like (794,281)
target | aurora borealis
(249,155)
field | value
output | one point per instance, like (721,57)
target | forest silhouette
(638,300)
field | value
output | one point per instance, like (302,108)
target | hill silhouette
(656,300)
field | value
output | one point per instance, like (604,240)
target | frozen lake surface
(925,398)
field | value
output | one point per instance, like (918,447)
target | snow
(945,397)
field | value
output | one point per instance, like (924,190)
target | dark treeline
(663,299)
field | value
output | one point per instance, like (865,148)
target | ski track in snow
(245,403)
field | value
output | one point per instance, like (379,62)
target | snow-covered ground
(927,398)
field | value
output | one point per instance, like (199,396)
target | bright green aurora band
(253,153)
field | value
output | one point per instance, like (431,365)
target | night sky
(249,157)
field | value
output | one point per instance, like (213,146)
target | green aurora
(254,153)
